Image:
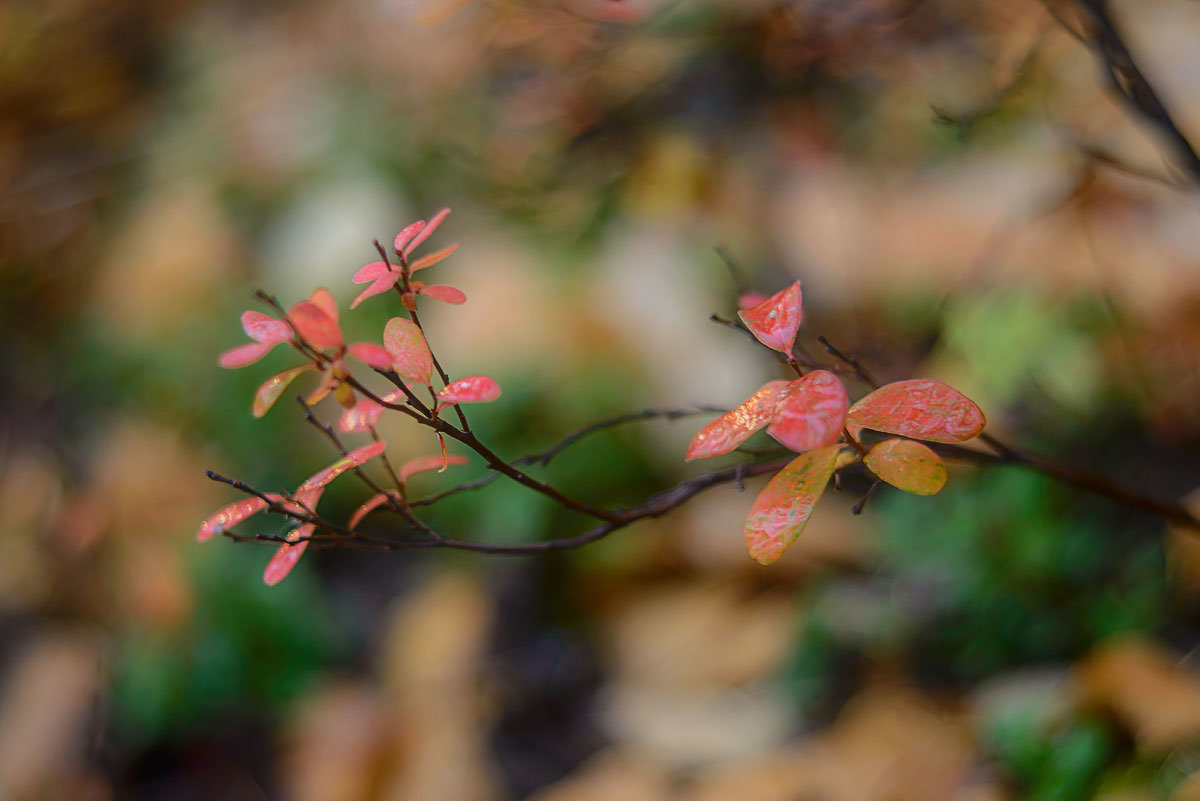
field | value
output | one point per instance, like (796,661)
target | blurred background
(962,198)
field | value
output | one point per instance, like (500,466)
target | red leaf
(406,234)
(273,387)
(423,463)
(243,355)
(446,294)
(264,328)
(369,272)
(315,326)
(476,389)
(373,503)
(907,465)
(382,284)
(733,428)
(751,299)
(426,231)
(431,259)
(775,321)
(372,355)
(782,509)
(812,412)
(231,515)
(408,349)
(323,299)
(287,556)
(355,458)
(921,408)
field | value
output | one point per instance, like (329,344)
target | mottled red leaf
(287,556)
(782,509)
(775,321)
(921,408)
(273,387)
(323,299)
(264,328)
(371,354)
(353,459)
(811,413)
(475,389)
(243,355)
(426,231)
(406,234)
(409,351)
(907,465)
(734,427)
(315,326)
(446,294)
(383,283)
(431,259)
(373,503)
(231,515)
(423,463)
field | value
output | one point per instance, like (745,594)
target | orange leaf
(408,349)
(474,389)
(811,413)
(921,408)
(432,258)
(423,463)
(287,556)
(273,387)
(355,458)
(782,509)
(775,321)
(446,294)
(315,325)
(907,465)
(322,298)
(733,428)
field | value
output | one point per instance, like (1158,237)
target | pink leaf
(426,231)
(423,463)
(812,412)
(782,509)
(409,351)
(751,299)
(431,259)
(264,328)
(287,556)
(231,515)
(355,458)
(382,284)
(372,355)
(273,387)
(733,428)
(921,408)
(775,321)
(373,503)
(476,389)
(363,416)
(323,299)
(369,272)
(406,234)
(315,326)
(446,294)
(243,355)
(907,465)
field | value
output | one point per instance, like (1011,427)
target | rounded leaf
(446,294)
(410,354)
(907,465)
(287,556)
(811,413)
(774,322)
(315,326)
(423,463)
(921,408)
(323,299)
(273,387)
(475,389)
(265,328)
(371,354)
(734,427)
(782,509)
(243,355)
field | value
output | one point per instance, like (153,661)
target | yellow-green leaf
(907,465)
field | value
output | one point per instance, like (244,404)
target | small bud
(409,299)
(344,394)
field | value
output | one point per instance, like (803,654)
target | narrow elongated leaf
(446,294)
(315,326)
(426,231)
(383,283)
(265,328)
(373,503)
(423,463)
(907,465)
(354,458)
(735,427)
(775,321)
(921,408)
(373,355)
(475,389)
(406,234)
(231,515)
(287,556)
(432,258)
(243,355)
(782,509)
(410,354)
(369,272)
(273,387)
(811,413)
(323,299)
